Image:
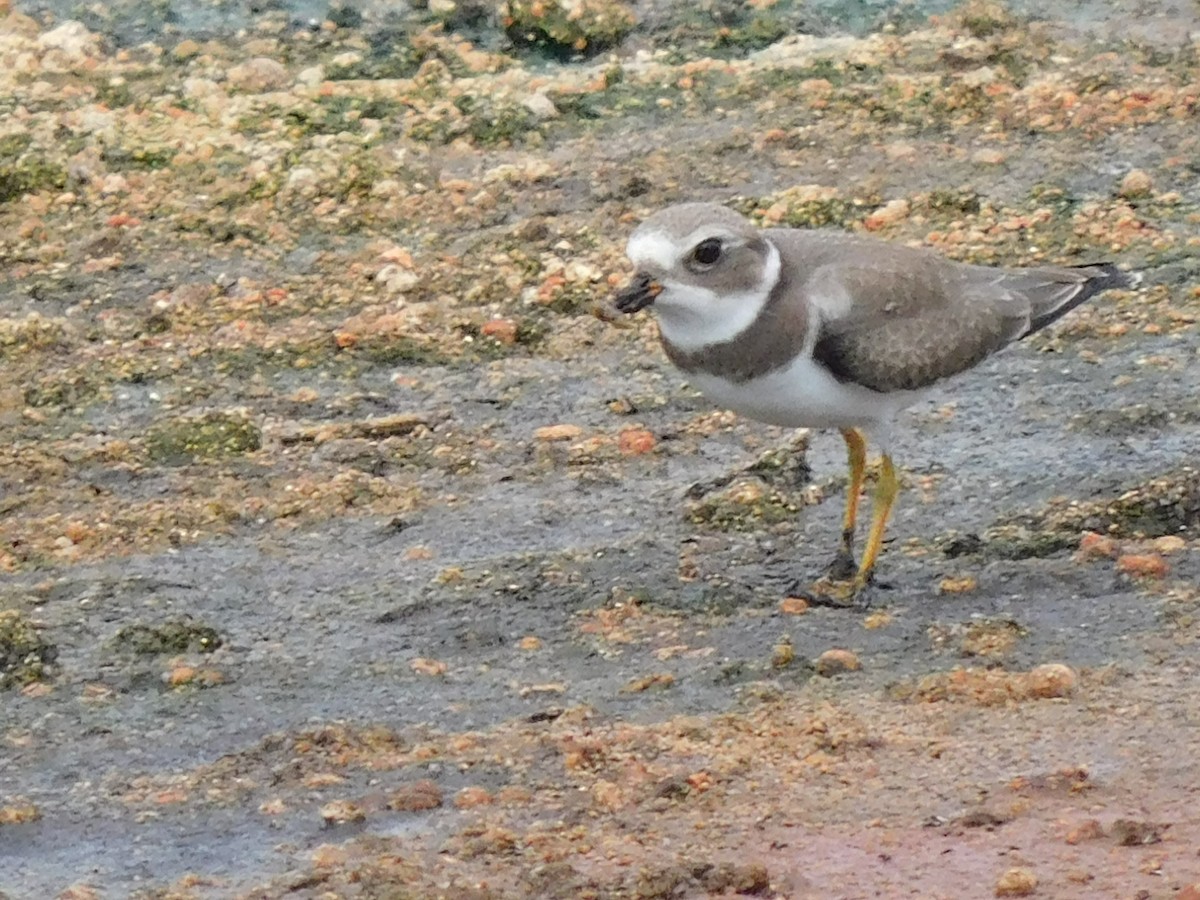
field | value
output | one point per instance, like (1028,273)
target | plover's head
(706,269)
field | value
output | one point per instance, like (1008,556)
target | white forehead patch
(652,249)
(655,249)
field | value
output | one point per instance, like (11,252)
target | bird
(828,329)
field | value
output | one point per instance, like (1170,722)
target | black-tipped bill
(639,294)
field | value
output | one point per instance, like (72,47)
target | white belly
(804,395)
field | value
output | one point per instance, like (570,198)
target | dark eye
(707,252)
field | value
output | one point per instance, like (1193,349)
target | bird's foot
(838,593)
(842,567)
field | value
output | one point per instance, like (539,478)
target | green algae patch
(25,656)
(67,389)
(567,28)
(173,636)
(146,158)
(770,491)
(212,436)
(985,18)
(746,505)
(1168,504)
(400,350)
(1010,541)
(496,124)
(784,467)
(807,206)
(33,332)
(1165,505)
(24,171)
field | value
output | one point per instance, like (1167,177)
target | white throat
(692,317)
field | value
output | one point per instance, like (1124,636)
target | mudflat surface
(349,548)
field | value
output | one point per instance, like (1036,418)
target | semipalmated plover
(824,329)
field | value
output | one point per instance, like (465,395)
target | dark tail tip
(1101,277)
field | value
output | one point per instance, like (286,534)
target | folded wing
(912,318)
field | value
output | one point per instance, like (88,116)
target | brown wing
(913,320)
(901,318)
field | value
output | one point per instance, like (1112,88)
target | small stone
(328,856)
(541,106)
(1016,882)
(502,330)
(19,813)
(77,532)
(546,687)
(180,675)
(72,39)
(425,666)
(470,797)
(257,75)
(341,812)
(311,76)
(644,683)
(900,150)
(185,49)
(878,619)
(1143,565)
(836,661)
(1190,892)
(1052,680)
(318,780)
(301,178)
(961,585)
(607,795)
(990,638)
(987,157)
(783,654)
(1136,833)
(514,795)
(793,606)
(397,278)
(114,183)
(401,256)
(200,87)
(443,9)
(579,272)
(530,642)
(980,77)
(1136,183)
(635,441)
(891,212)
(1097,546)
(1168,544)
(415,797)
(549,433)
(1088,830)
(347,60)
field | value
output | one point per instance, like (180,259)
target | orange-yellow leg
(843,565)
(885,497)
(843,586)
